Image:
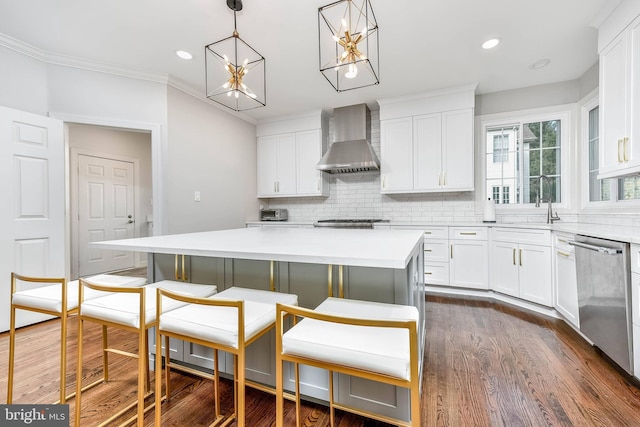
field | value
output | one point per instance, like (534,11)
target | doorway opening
(111,195)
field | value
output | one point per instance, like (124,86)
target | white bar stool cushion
(381,350)
(50,297)
(220,324)
(124,308)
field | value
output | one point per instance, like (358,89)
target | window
(496,194)
(500,148)
(519,154)
(604,190)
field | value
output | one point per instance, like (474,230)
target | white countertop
(611,232)
(363,248)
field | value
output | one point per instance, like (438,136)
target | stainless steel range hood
(351,152)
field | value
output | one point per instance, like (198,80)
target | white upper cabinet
(288,151)
(620,103)
(427,143)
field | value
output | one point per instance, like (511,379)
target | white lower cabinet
(522,270)
(635,307)
(566,284)
(469,257)
(436,256)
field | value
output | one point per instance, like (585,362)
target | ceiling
(425,45)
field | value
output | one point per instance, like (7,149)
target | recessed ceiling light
(491,43)
(541,63)
(184,54)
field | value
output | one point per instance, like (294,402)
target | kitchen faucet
(550,216)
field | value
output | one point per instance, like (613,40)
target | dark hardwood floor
(486,364)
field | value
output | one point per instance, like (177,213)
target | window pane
(551,161)
(531,135)
(502,161)
(599,190)
(551,133)
(629,188)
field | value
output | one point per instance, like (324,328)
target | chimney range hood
(351,152)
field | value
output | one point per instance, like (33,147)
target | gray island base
(372,265)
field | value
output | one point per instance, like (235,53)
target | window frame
(601,206)
(563,113)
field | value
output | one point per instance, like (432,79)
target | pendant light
(348,43)
(235,72)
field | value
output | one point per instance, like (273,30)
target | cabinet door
(535,274)
(267,165)
(469,264)
(457,150)
(566,286)
(286,164)
(632,145)
(396,155)
(504,268)
(614,101)
(427,138)
(308,153)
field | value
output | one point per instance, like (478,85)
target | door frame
(139,259)
(158,154)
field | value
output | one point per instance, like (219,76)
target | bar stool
(370,340)
(129,309)
(60,299)
(228,321)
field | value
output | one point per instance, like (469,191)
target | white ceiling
(424,44)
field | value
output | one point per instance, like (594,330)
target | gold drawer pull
(428,250)
(564,254)
(428,272)
(468,233)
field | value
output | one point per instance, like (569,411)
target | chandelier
(235,72)
(348,43)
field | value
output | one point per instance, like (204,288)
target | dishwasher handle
(601,249)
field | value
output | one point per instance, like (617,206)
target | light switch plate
(196,196)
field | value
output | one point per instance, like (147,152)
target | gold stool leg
(297,373)
(105,354)
(79,372)
(63,356)
(12,348)
(158,391)
(216,382)
(141,376)
(167,369)
(241,387)
(331,410)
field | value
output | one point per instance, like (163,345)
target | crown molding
(75,62)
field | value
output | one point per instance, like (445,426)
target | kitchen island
(374,265)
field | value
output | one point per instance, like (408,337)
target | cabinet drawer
(522,235)
(436,273)
(436,233)
(436,250)
(635,298)
(635,258)
(561,242)
(468,233)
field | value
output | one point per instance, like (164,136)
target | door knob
(129,216)
(130,221)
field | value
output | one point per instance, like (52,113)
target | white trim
(75,62)
(158,153)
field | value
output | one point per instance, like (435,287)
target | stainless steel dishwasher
(604,297)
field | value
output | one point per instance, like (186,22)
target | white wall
(23,82)
(212,152)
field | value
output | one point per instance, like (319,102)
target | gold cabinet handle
(427,232)
(428,272)
(452,251)
(564,254)
(444,178)
(175,267)
(514,256)
(468,233)
(624,149)
(620,151)
(428,250)
(272,282)
(520,257)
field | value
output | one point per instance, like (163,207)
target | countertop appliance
(604,297)
(274,215)
(348,223)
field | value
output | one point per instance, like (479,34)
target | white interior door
(105,212)
(32,218)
